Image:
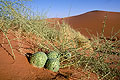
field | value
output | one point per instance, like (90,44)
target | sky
(66,8)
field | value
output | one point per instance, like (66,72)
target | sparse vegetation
(93,55)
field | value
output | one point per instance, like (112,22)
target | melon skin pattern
(38,59)
(53,65)
(53,55)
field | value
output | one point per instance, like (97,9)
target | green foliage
(38,59)
(53,64)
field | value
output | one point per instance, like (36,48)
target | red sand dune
(93,22)
(53,19)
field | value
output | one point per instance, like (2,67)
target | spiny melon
(53,65)
(53,55)
(38,59)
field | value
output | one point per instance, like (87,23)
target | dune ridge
(93,22)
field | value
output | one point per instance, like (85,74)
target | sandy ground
(92,22)
(20,69)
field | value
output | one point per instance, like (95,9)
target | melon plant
(38,59)
(53,64)
(53,55)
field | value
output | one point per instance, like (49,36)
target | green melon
(38,59)
(53,55)
(53,65)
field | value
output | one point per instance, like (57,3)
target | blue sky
(65,8)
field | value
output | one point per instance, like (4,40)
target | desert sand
(21,69)
(93,23)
